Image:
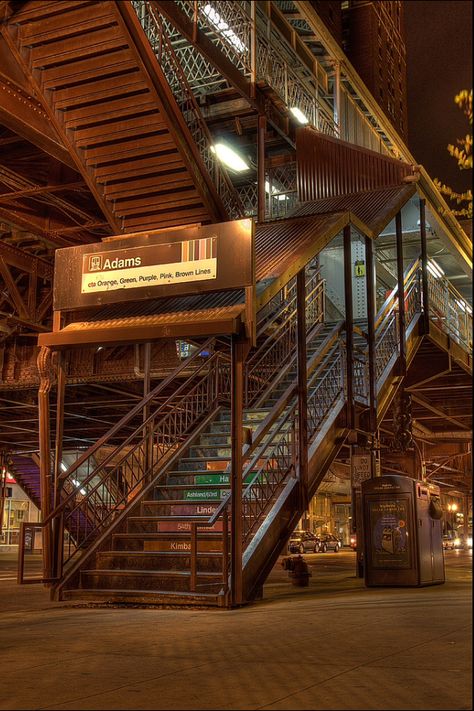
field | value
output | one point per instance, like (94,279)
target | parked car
(328,542)
(451,542)
(303,542)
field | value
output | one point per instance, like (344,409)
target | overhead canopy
(370,210)
(282,248)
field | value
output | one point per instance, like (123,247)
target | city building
(228,289)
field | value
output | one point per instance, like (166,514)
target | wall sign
(155,264)
(360,469)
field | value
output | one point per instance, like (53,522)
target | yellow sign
(359,268)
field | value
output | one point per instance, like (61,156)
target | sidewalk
(333,645)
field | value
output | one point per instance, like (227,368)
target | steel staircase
(158,506)
(150,560)
(109,101)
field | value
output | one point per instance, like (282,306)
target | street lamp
(452,508)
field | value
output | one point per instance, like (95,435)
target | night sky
(439,65)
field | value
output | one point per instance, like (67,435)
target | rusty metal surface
(375,208)
(156,307)
(279,244)
(328,167)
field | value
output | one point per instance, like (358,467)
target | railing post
(261,196)
(370,287)
(337,98)
(146,409)
(192,583)
(225,551)
(401,294)
(253,49)
(424,267)
(349,325)
(302,386)
(237,359)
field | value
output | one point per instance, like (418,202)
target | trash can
(402,532)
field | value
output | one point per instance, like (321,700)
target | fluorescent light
(76,483)
(229,157)
(461,305)
(435,269)
(224,29)
(298,114)
(63,467)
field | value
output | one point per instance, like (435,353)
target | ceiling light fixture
(229,157)
(435,269)
(299,115)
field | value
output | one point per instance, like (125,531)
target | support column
(57,532)
(401,295)
(45,371)
(237,389)
(349,326)
(261,196)
(370,287)
(302,388)
(424,267)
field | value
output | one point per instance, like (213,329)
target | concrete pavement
(333,645)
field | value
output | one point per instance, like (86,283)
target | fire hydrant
(298,570)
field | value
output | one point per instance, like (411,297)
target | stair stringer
(71,578)
(267,544)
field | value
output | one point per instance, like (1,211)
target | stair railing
(387,332)
(272,459)
(450,311)
(155,31)
(275,353)
(87,507)
(230,26)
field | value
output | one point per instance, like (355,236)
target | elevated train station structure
(254,282)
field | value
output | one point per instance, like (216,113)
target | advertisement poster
(391,545)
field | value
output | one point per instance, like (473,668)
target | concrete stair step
(184,508)
(156,560)
(143,597)
(169,524)
(169,541)
(177,580)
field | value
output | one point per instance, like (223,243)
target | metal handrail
(154,29)
(276,63)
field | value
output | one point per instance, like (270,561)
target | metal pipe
(401,295)
(58,454)
(370,287)
(337,98)
(237,383)
(349,325)
(302,386)
(44,367)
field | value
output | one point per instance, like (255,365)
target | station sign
(155,264)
